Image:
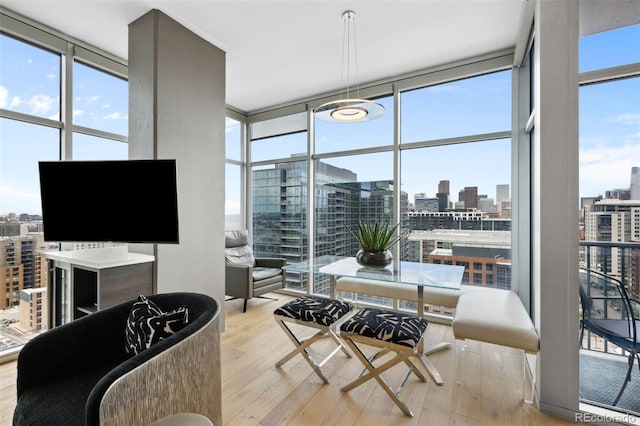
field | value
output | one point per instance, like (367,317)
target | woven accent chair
(80,374)
(246,276)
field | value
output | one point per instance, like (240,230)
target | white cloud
(87,99)
(15,101)
(77,112)
(55,116)
(40,104)
(51,76)
(4,94)
(230,125)
(448,88)
(115,116)
(19,201)
(603,168)
(627,119)
(105,106)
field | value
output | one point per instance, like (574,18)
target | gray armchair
(248,276)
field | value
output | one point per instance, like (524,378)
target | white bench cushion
(496,316)
(432,295)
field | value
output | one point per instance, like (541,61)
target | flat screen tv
(132,201)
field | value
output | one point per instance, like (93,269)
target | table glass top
(420,274)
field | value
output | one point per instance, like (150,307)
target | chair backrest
(237,250)
(604,298)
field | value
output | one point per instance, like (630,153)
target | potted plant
(375,239)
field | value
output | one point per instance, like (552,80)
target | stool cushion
(318,310)
(388,326)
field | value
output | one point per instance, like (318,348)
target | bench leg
(527,396)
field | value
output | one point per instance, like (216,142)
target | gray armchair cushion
(260,273)
(237,250)
(236,238)
(239,256)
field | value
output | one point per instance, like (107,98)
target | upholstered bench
(316,312)
(392,332)
(432,295)
(498,317)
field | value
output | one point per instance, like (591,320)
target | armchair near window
(248,276)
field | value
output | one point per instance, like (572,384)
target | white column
(555,204)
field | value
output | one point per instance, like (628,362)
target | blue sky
(609,125)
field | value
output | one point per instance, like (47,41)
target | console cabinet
(82,283)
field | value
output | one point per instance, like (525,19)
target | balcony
(603,366)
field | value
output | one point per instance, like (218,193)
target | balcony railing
(620,260)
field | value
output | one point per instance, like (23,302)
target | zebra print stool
(315,312)
(393,332)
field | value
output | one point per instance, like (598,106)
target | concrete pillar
(177,111)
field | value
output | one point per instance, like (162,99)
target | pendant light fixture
(349,110)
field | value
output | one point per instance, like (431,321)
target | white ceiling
(283,51)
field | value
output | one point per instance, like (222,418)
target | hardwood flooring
(483,382)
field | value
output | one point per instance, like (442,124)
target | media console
(84,281)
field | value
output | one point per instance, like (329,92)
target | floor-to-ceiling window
(609,180)
(456,170)
(279,186)
(440,167)
(234,181)
(58,101)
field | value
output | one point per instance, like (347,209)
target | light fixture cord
(349,23)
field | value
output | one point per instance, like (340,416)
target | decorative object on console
(349,110)
(375,239)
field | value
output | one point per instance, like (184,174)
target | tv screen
(131,201)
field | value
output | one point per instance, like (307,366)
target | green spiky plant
(376,236)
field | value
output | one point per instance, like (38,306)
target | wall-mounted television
(128,201)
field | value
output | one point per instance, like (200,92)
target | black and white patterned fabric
(388,326)
(148,324)
(318,310)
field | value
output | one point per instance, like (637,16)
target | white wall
(177,111)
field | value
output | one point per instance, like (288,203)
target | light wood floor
(483,382)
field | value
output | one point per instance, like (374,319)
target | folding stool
(393,332)
(314,312)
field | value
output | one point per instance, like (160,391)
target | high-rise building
(470,197)
(21,267)
(614,221)
(34,312)
(502,193)
(635,183)
(443,187)
(485,256)
(280,216)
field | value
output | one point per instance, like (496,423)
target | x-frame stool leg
(402,355)
(301,345)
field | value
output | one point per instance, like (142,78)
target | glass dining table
(419,275)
